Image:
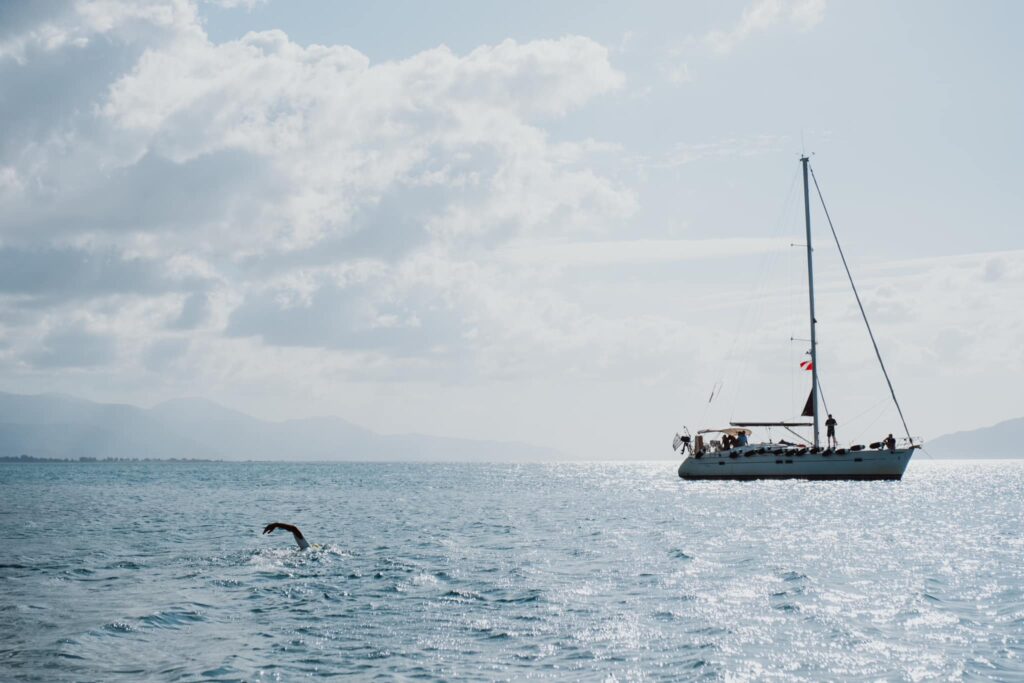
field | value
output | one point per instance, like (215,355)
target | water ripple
(564,571)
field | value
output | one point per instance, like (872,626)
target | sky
(568,224)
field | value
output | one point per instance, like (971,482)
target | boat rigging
(733,456)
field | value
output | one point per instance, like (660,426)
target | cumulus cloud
(340,135)
(298,195)
(761,15)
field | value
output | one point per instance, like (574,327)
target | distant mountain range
(59,426)
(1003,440)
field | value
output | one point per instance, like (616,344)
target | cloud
(682,154)
(995,269)
(761,15)
(341,134)
(194,312)
(297,196)
(678,73)
(161,355)
(293,142)
(45,277)
(906,300)
(366,306)
(36,28)
(637,252)
(234,4)
(73,347)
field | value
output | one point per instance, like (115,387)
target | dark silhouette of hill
(1003,440)
(60,426)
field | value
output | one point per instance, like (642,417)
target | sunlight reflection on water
(123,570)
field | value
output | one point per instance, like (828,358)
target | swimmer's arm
(273,526)
(299,538)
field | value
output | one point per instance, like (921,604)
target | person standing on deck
(830,431)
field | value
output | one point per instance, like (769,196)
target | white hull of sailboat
(864,464)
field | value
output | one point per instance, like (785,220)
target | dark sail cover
(809,406)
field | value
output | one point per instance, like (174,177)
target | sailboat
(727,452)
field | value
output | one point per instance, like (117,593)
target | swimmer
(299,538)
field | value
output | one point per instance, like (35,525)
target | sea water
(622,571)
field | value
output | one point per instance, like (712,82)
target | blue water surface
(611,571)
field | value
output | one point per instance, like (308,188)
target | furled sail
(809,406)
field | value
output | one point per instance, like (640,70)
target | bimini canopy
(731,431)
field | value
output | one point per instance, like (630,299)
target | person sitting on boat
(741,439)
(830,429)
(890,442)
(726,442)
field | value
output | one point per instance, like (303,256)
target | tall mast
(810,294)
